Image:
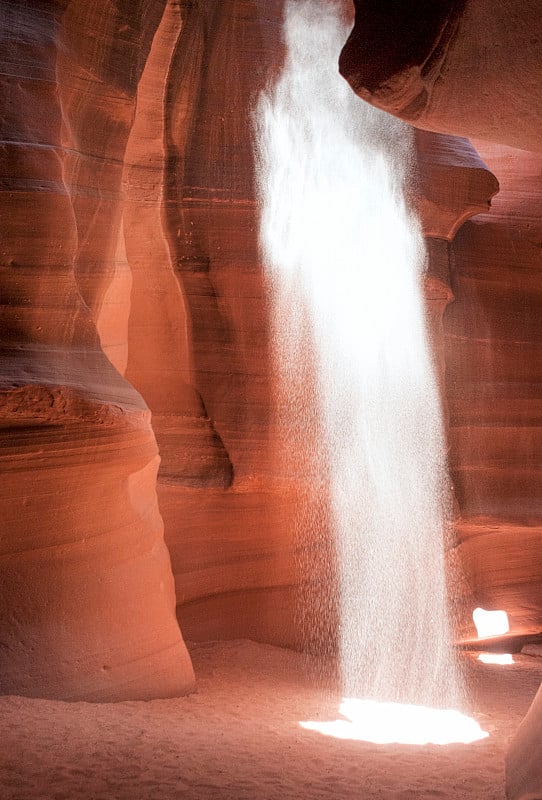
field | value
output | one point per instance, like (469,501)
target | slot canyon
(270,399)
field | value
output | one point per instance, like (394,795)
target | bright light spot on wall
(496,658)
(387,723)
(490,623)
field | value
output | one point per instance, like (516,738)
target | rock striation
(198,332)
(87,604)
(493,335)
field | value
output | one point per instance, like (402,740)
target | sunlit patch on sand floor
(387,723)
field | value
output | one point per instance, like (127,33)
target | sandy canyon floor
(239,736)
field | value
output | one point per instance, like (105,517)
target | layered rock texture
(226,512)
(87,604)
(493,337)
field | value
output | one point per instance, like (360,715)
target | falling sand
(239,737)
(344,258)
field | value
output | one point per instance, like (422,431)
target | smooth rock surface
(87,604)
(464,67)
(451,183)
(160,340)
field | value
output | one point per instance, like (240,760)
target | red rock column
(199,320)
(87,606)
(493,355)
(449,184)
(160,331)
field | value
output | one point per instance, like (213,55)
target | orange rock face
(87,605)
(493,337)
(449,184)
(197,334)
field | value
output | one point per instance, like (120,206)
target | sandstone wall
(87,605)
(198,332)
(246,561)
(493,334)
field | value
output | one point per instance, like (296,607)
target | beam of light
(496,658)
(345,257)
(397,723)
(490,623)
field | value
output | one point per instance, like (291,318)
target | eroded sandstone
(87,605)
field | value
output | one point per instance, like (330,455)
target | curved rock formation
(86,601)
(130,247)
(493,335)
(226,512)
(238,556)
(523,765)
(160,361)
(449,183)
(464,67)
